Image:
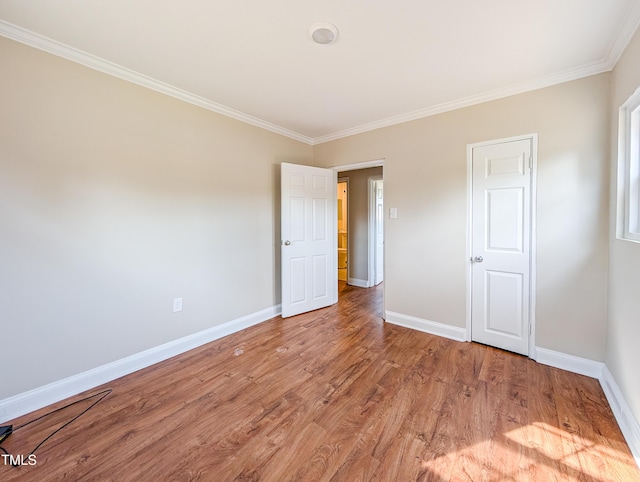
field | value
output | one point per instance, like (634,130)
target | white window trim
(629,168)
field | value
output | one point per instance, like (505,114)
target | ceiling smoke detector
(323,33)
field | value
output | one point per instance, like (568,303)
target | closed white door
(379,233)
(309,238)
(501,244)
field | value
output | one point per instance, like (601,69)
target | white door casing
(379,232)
(500,244)
(308,238)
(375,235)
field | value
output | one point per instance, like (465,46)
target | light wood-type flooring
(336,394)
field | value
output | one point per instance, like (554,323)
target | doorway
(309,234)
(343,226)
(502,243)
(359,245)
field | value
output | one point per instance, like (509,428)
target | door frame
(354,167)
(346,181)
(533,250)
(373,225)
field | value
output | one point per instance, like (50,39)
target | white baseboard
(629,425)
(431,327)
(574,364)
(360,283)
(23,403)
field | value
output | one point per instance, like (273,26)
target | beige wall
(115,199)
(425,175)
(623,329)
(358,231)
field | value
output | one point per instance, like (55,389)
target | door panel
(320,228)
(296,216)
(503,303)
(320,284)
(309,238)
(505,219)
(501,244)
(296,290)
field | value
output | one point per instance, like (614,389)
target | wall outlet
(177,305)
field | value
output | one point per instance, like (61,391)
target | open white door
(309,238)
(501,243)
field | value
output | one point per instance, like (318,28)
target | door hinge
(529,328)
(530,162)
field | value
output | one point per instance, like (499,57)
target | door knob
(287,242)
(478,259)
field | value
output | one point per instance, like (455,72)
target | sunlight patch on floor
(542,451)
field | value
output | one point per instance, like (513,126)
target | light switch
(393,213)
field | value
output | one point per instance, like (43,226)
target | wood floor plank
(335,394)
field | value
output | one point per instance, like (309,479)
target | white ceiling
(393,61)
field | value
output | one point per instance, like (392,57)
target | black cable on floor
(102,395)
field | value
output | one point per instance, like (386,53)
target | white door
(309,238)
(501,243)
(379,233)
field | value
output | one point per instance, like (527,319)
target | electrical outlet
(177,305)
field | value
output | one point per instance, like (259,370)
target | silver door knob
(287,243)
(478,259)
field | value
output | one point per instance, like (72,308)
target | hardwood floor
(335,394)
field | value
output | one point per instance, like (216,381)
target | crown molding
(27,37)
(617,47)
(54,47)
(625,34)
(520,88)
